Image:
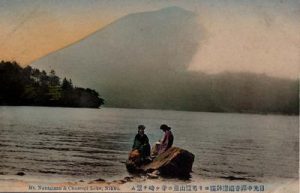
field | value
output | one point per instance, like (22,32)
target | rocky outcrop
(175,162)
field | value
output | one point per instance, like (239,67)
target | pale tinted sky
(258,36)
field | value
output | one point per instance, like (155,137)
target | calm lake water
(94,143)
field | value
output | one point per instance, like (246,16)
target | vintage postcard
(149,96)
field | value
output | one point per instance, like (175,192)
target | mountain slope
(140,61)
(132,58)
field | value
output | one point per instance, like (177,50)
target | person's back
(170,139)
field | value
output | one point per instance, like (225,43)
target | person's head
(165,127)
(141,129)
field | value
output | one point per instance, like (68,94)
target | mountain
(140,61)
(124,60)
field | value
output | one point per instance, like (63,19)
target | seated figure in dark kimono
(141,143)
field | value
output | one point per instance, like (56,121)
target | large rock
(175,162)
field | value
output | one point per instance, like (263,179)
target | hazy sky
(261,36)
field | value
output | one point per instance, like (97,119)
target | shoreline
(133,183)
(179,110)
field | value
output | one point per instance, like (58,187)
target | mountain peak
(175,9)
(165,12)
(142,46)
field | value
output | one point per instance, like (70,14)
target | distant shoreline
(192,111)
(50,106)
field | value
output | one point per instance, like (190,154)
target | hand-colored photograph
(149,96)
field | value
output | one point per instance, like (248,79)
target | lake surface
(94,143)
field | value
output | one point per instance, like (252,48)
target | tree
(54,80)
(66,85)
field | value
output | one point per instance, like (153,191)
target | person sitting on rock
(167,140)
(141,143)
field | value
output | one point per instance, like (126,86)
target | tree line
(32,87)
